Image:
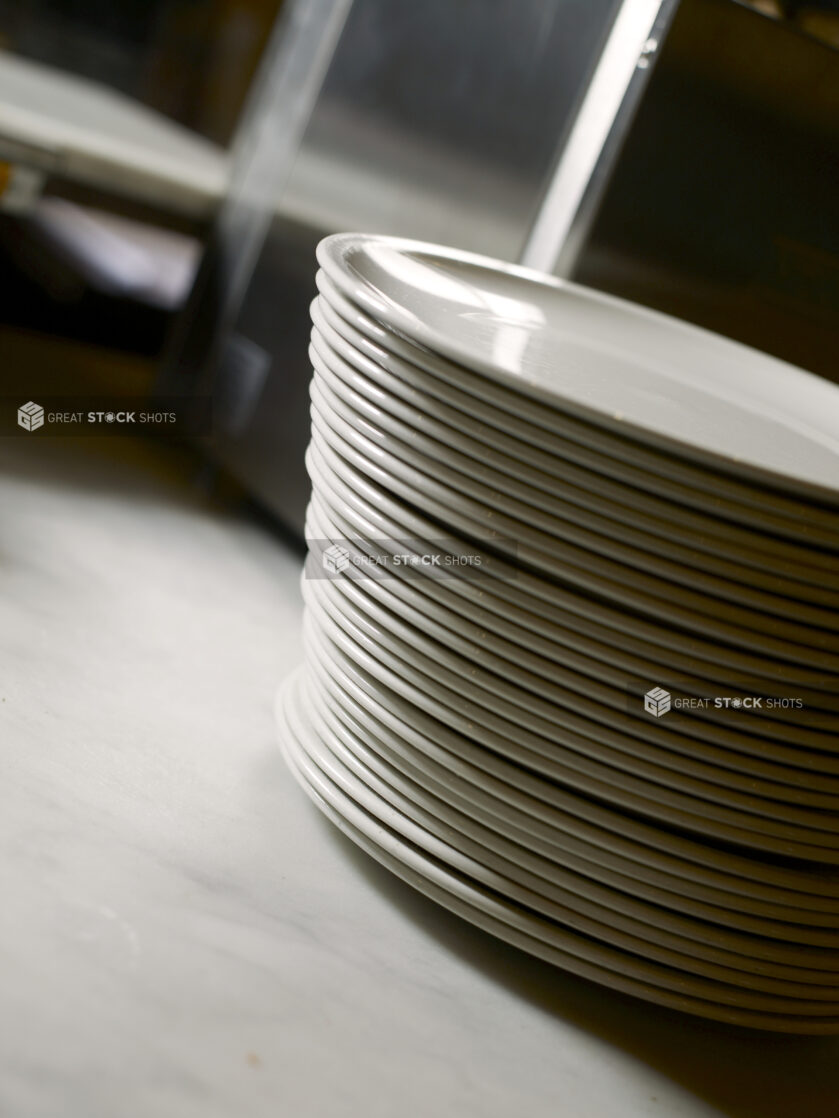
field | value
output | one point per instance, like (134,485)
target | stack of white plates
(573,627)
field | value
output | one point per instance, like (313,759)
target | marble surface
(182,934)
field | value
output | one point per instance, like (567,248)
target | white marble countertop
(182,934)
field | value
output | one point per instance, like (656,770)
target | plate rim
(332,255)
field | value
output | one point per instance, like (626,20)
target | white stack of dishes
(572,627)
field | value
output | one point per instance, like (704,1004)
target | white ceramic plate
(405,848)
(547,460)
(596,873)
(706,734)
(449,850)
(620,366)
(549,519)
(555,713)
(567,565)
(371,513)
(567,638)
(566,757)
(601,564)
(725,888)
(542,888)
(404,396)
(656,933)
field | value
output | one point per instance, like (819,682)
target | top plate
(611,362)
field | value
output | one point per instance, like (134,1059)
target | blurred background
(167,168)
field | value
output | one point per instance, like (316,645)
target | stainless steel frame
(588,154)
